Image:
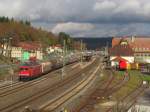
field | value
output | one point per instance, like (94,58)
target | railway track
(21,85)
(4,86)
(56,103)
(117,85)
(15,82)
(85,106)
(132,98)
(22,102)
(129,100)
(103,92)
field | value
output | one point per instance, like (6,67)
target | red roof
(29,45)
(135,42)
(58,45)
(121,50)
(118,59)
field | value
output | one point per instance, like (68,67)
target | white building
(16,52)
(52,49)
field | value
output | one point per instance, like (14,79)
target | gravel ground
(14,97)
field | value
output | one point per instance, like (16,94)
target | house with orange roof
(139,44)
(121,51)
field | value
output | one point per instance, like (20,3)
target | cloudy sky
(90,18)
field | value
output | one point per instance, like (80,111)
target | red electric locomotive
(29,70)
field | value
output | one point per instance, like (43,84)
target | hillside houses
(24,50)
(55,48)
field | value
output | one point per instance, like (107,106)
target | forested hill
(23,31)
(95,43)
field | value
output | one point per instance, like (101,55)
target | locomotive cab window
(23,69)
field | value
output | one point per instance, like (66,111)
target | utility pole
(10,47)
(4,51)
(64,58)
(1,43)
(106,49)
(81,48)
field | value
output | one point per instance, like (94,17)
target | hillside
(23,31)
(94,43)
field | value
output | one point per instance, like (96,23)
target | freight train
(87,56)
(145,68)
(123,65)
(33,69)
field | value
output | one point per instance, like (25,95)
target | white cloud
(129,7)
(71,27)
(123,11)
(104,5)
(10,8)
(55,15)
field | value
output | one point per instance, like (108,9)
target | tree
(4,19)
(21,22)
(69,41)
(12,19)
(27,23)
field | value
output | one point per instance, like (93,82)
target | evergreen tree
(27,23)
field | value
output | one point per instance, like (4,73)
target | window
(147,54)
(140,54)
(23,69)
(143,49)
(136,49)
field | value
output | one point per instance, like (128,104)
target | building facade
(140,46)
(121,51)
(56,48)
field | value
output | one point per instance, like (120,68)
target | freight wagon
(123,65)
(32,69)
(145,68)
